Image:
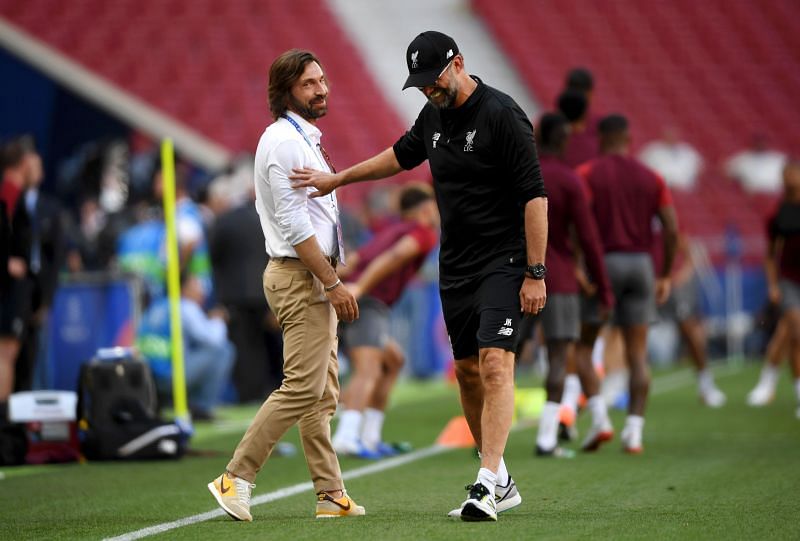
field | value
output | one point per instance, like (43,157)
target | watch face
(536,271)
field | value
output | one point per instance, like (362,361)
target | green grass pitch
(732,473)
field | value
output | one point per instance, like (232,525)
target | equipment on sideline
(117,411)
(47,420)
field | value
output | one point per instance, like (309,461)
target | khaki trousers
(310,388)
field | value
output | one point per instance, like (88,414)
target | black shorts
(485,312)
(15,308)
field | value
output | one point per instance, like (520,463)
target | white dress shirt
(678,163)
(758,171)
(288,215)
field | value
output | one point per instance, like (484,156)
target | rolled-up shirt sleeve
(291,204)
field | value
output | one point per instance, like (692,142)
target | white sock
(797,388)
(634,421)
(705,380)
(502,473)
(598,409)
(487,478)
(372,428)
(349,425)
(633,430)
(547,437)
(769,376)
(598,350)
(572,392)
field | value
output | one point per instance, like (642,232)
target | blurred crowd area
(101,220)
(97,211)
(104,214)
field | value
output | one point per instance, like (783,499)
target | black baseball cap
(427,56)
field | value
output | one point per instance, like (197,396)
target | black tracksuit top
(485,169)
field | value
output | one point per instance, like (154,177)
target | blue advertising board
(89,312)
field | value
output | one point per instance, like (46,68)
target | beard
(309,110)
(443,98)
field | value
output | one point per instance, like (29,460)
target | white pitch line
(667,384)
(286,492)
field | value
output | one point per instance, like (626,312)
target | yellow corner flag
(173,282)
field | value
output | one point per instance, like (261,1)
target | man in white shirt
(678,163)
(758,169)
(300,283)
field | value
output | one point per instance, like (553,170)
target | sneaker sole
(215,493)
(472,513)
(510,503)
(633,450)
(761,403)
(502,506)
(338,515)
(598,440)
(712,405)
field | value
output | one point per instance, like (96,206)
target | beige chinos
(310,388)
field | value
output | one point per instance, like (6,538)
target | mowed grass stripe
(662,384)
(286,492)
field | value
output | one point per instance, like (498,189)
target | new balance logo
(506,329)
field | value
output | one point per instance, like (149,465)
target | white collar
(310,129)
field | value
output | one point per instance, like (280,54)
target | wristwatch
(537,271)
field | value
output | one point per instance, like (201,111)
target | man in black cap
(493,208)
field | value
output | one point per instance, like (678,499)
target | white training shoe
(761,395)
(355,449)
(505,498)
(233,495)
(479,506)
(632,441)
(597,436)
(713,397)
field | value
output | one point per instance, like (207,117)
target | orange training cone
(456,434)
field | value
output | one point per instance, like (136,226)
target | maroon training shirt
(583,146)
(9,194)
(567,204)
(625,196)
(785,225)
(390,289)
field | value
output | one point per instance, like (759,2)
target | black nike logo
(343,507)
(222,486)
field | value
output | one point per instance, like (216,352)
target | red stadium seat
(718,70)
(205,62)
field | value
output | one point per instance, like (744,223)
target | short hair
(283,74)
(413,195)
(613,124)
(579,79)
(573,104)
(552,131)
(13,152)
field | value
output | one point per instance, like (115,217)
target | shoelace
(479,488)
(243,490)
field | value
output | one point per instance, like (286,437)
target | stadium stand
(718,70)
(205,63)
